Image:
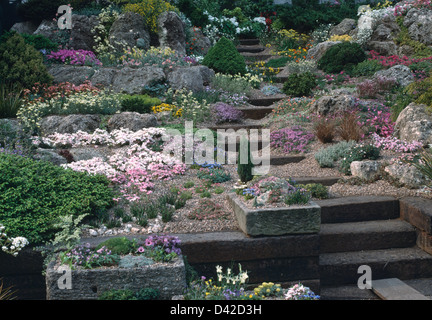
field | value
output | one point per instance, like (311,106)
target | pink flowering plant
(74,57)
(395,144)
(376,118)
(132,166)
(392,60)
(161,248)
(294,139)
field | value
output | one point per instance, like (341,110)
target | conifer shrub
(300,84)
(244,170)
(223,57)
(21,63)
(343,56)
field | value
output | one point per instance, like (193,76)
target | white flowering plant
(11,245)
(300,292)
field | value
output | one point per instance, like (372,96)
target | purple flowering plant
(161,248)
(224,112)
(85,257)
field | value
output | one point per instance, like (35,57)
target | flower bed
(273,206)
(118,265)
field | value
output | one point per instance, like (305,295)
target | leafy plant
(10,100)
(366,68)
(358,153)
(342,56)
(119,245)
(300,84)
(27,203)
(327,157)
(317,190)
(139,103)
(245,168)
(21,63)
(223,57)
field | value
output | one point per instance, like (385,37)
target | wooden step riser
(333,275)
(330,243)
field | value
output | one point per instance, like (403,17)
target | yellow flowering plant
(176,112)
(344,37)
(150,11)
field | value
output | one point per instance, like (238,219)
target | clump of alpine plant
(223,112)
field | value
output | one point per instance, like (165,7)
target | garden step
(346,292)
(325,181)
(235,127)
(282,160)
(366,235)
(403,263)
(264,101)
(358,208)
(395,289)
(250,49)
(256,113)
(254,57)
(249,42)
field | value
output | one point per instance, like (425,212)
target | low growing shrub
(119,245)
(342,56)
(300,84)
(223,57)
(139,103)
(34,193)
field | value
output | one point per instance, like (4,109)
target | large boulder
(414,123)
(132,80)
(81,36)
(67,73)
(419,24)
(133,121)
(24,27)
(384,48)
(402,74)
(191,78)
(366,170)
(344,27)
(48,28)
(406,175)
(129,30)
(333,104)
(171,32)
(202,42)
(70,123)
(316,52)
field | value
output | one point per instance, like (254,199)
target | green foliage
(38,41)
(366,68)
(119,245)
(300,84)
(34,194)
(421,91)
(306,15)
(327,157)
(245,169)
(223,57)
(193,12)
(215,175)
(317,190)
(139,103)
(358,153)
(10,100)
(421,50)
(127,294)
(342,56)
(21,63)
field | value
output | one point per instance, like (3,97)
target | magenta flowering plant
(293,139)
(161,248)
(392,60)
(395,144)
(74,57)
(377,119)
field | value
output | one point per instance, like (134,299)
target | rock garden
(117,163)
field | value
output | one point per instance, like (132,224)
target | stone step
(366,235)
(346,292)
(395,289)
(342,268)
(235,127)
(256,113)
(325,181)
(358,208)
(250,49)
(265,101)
(249,42)
(254,57)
